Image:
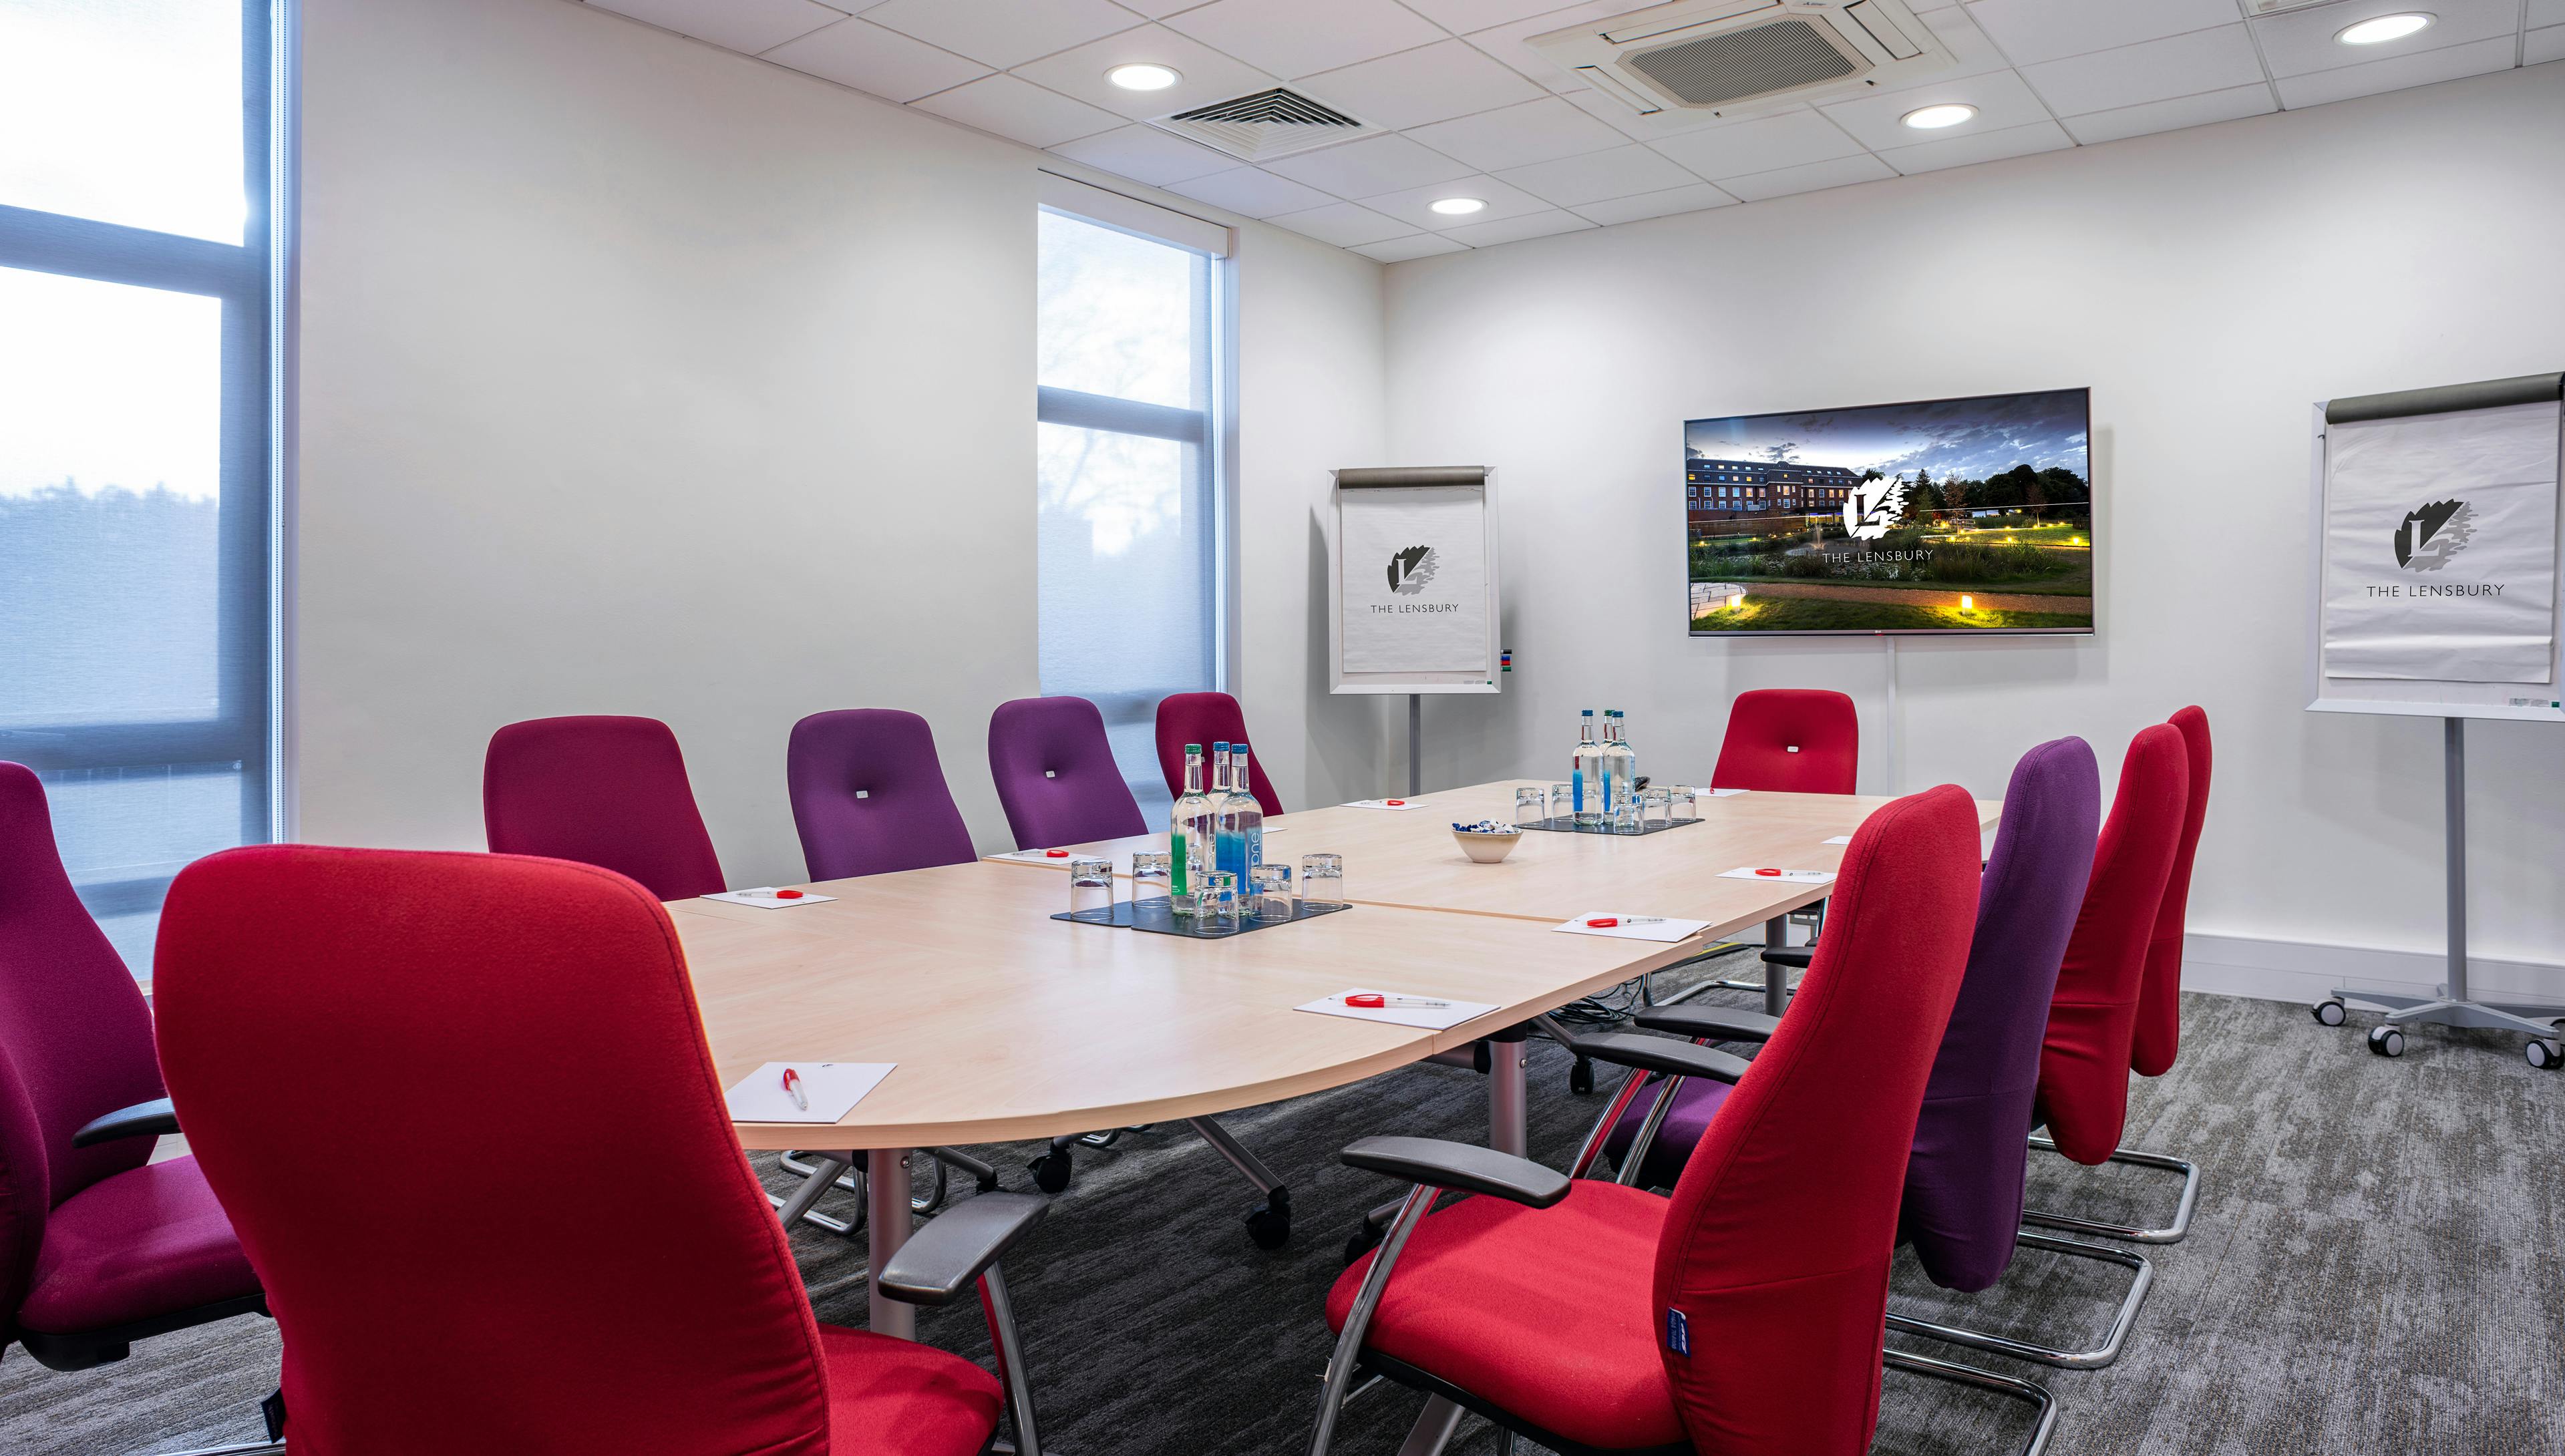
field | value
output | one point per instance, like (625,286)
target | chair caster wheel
(1051,1171)
(2543,1054)
(1580,1077)
(2327,1012)
(1269,1223)
(1364,1239)
(2387,1041)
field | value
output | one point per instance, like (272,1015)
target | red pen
(1369,1000)
(1395,803)
(1055,853)
(793,1088)
(1768,872)
(788,895)
(1604,923)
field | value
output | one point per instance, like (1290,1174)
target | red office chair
(98,1246)
(603,791)
(2159,1032)
(1207,718)
(1789,740)
(1746,1315)
(2084,1062)
(503,1025)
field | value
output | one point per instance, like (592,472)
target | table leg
(1777,979)
(887,1219)
(1509,1093)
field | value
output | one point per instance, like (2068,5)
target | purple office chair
(1058,780)
(1962,1201)
(602,791)
(1056,774)
(98,1246)
(869,798)
(868,795)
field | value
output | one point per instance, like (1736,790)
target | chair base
(90,1349)
(1970,1375)
(2172,1233)
(2088,1359)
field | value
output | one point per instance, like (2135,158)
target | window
(1129,507)
(136,627)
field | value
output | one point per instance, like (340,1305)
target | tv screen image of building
(1939,516)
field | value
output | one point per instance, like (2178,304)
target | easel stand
(2452,1007)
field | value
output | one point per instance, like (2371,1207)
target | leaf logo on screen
(1411,569)
(2432,533)
(1873,507)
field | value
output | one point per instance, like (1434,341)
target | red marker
(793,1088)
(788,895)
(1057,853)
(1768,872)
(1605,923)
(1396,802)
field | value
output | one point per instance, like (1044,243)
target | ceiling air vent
(1266,124)
(1739,58)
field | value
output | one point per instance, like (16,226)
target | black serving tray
(1569,826)
(1155,916)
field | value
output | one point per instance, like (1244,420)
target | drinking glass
(1090,886)
(1323,880)
(1625,818)
(1272,891)
(1656,808)
(1562,803)
(1152,878)
(1215,909)
(1683,806)
(1530,806)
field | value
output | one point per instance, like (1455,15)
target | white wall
(637,376)
(2208,285)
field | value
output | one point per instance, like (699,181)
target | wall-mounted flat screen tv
(1948,516)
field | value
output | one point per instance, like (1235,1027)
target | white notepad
(1392,803)
(1427,1017)
(833,1087)
(764,899)
(1787,877)
(1840,840)
(1662,928)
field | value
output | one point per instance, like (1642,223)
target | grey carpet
(2373,1268)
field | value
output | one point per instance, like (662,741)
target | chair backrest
(2158,1035)
(1057,777)
(1775,1252)
(603,791)
(75,1036)
(1789,740)
(868,795)
(1963,1183)
(520,1038)
(2092,1021)
(1208,718)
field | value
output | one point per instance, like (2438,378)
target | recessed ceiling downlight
(1458,207)
(1143,75)
(2382,28)
(1934,119)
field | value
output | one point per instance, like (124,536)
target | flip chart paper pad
(1416,579)
(2439,546)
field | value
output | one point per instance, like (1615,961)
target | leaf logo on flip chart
(1873,507)
(2432,533)
(1411,569)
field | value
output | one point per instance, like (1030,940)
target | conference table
(1007,1025)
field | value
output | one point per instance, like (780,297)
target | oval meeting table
(1007,1025)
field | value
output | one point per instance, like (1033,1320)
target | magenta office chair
(1206,717)
(1058,780)
(603,791)
(98,1246)
(869,798)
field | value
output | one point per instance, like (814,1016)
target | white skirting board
(2304,970)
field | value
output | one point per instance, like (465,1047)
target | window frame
(246,279)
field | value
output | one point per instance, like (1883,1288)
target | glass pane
(125,111)
(1120,315)
(1125,536)
(110,434)
(124,832)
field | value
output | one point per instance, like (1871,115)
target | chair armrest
(1798,956)
(957,1246)
(1710,1023)
(1461,1166)
(1661,1053)
(149,1118)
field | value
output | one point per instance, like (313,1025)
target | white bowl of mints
(1487,841)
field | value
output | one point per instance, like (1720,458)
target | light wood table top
(1408,858)
(1008,1025)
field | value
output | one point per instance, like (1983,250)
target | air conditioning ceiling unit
(1734,57)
